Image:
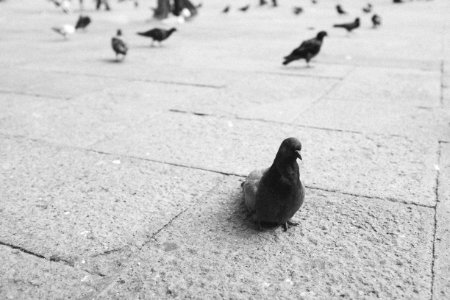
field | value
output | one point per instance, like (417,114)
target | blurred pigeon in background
(307,50)
(158,34)
(348,26)
(64,30)
(340,10)
(244,8)
(376,21)
(367,9)
(83,22)
(119,46)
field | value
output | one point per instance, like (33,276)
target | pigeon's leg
(259,226)
(285,226)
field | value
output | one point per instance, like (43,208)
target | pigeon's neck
(286,167)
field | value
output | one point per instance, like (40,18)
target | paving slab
(24,276)
(80,122)
(72,205)
(380,85)
(346,247)
(54,85)
(385,118)
(441,270)
(367,164)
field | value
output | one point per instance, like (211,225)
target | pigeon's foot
(289,223)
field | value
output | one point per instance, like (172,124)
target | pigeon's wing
(119,45)
(308,46)
(79,23)
(150,33)
(250,187)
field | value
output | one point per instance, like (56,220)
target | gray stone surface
(416,122)
(442,262)
(75,205)
(366,164)
(101,189)
(346,247)
(24,276)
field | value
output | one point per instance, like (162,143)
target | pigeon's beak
(298,154)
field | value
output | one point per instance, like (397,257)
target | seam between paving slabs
(37,95)
(390,199)
(113,278)
(433,250)
(51,258)
(169,82)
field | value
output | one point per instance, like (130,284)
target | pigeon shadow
(240,221)
(111,60)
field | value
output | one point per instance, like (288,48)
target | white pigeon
(64,30)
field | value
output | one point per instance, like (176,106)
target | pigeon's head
(173,29)
(119,32)
(290,149)
(357,20)
(321,35)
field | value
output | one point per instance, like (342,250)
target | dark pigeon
(376,21)
(297,10)
(307,50)
(119,46)
(244,8)
(226,9)
(275,194)
(340,10)
(157,34)
(83,22)
(349,26)
(367,9)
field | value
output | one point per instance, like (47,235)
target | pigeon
(340,10)
(376,21)
(244,8)
(64,30)
(297,10)
(307,50)
(158,34)
(275,194)
(64,4)
(262,2)
(226,9)
(348,26)
(314,1)
(119,46)
(367,9)
(83,22)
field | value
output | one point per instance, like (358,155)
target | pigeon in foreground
(307,50)
(376,21)
(348,26)
(340,10)
(275,194)
(158,34)
(64,30)
(367,9)
(297,10)
(119,46)
(83,22)
(226,9)
(244,8)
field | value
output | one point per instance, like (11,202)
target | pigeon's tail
(288,59)
(339,25)
(141,33)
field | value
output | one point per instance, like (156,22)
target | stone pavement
(122,180)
